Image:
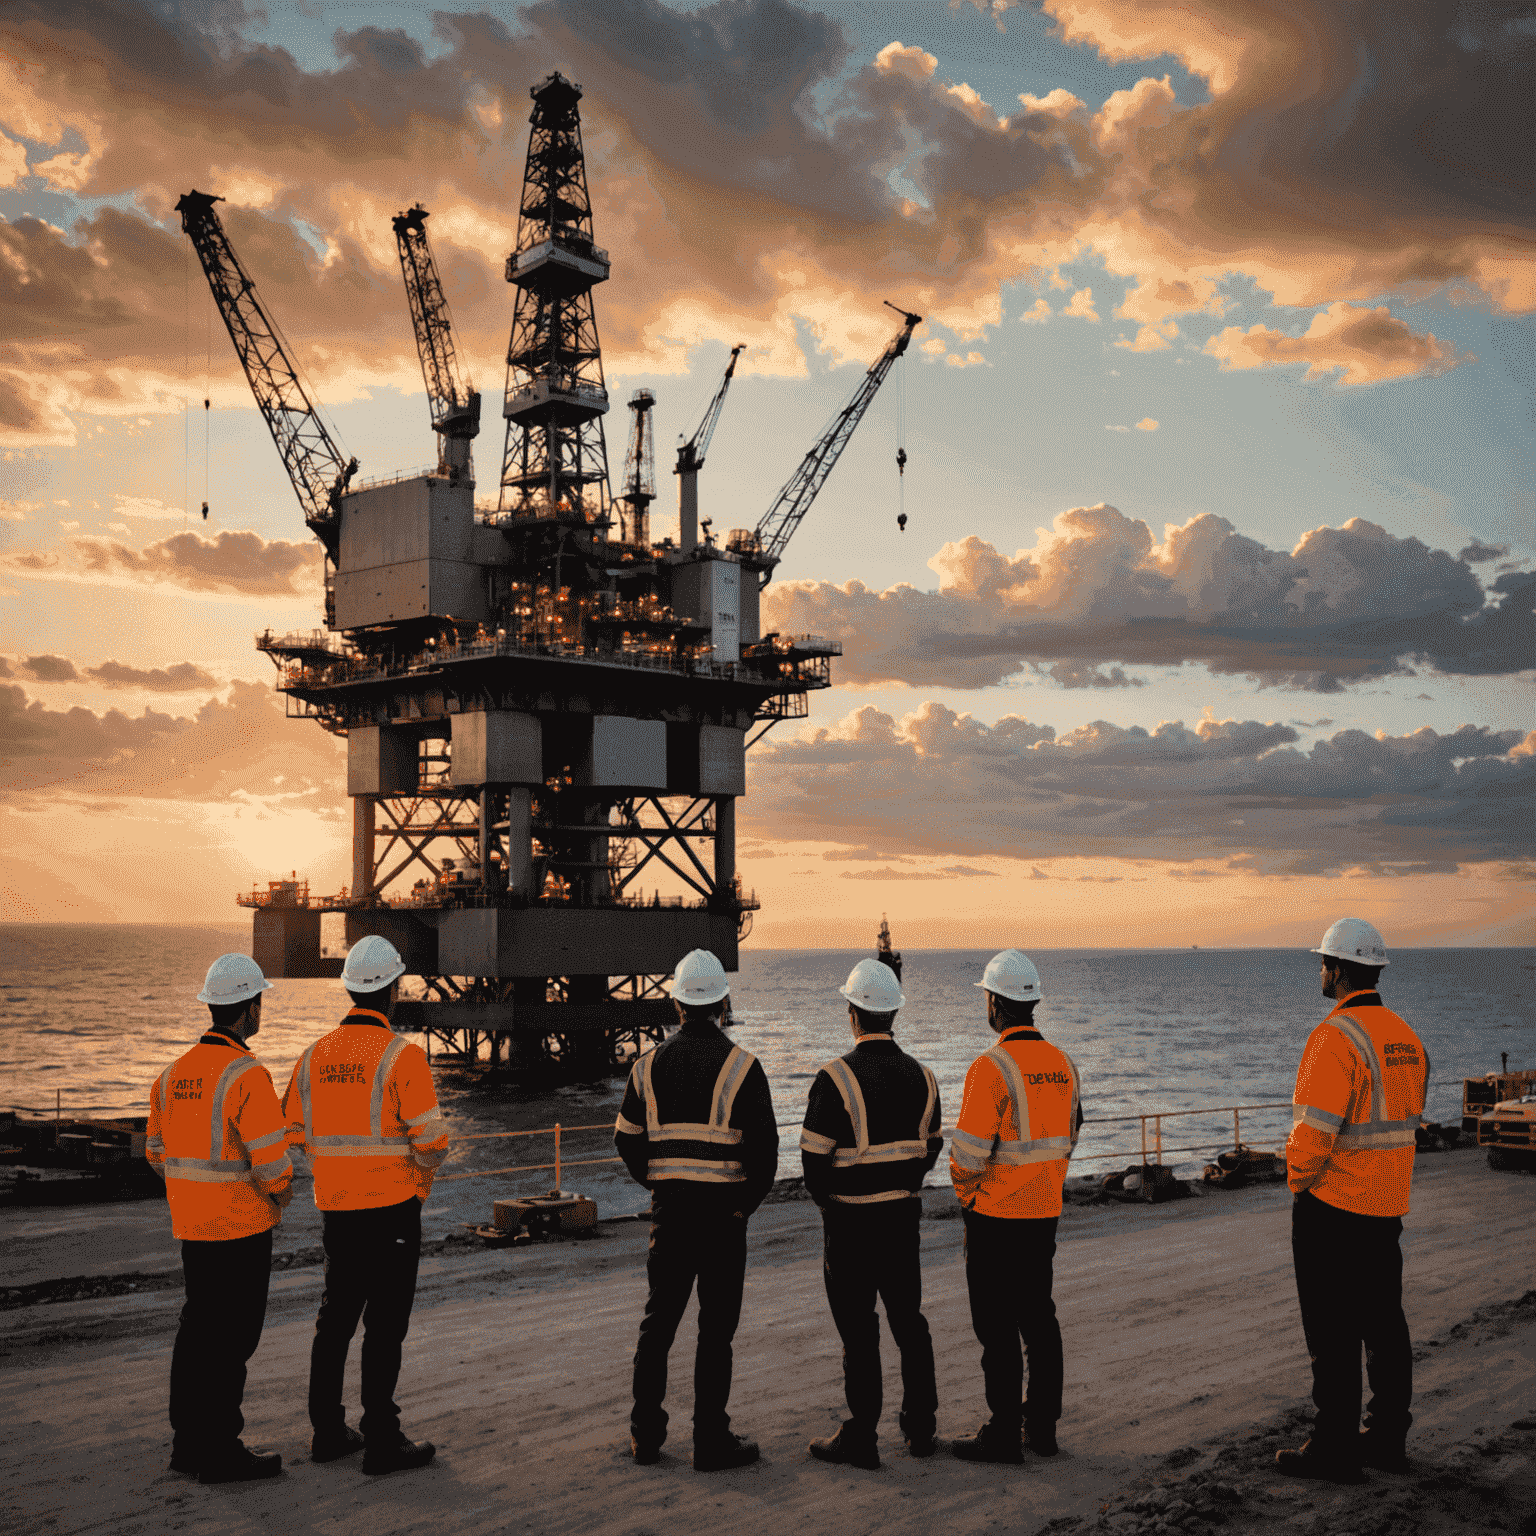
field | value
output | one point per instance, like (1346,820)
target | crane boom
(779,522)
(690,459)
(453,405)
(315,465)
(690,455)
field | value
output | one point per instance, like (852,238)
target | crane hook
(901,522)
(901,461)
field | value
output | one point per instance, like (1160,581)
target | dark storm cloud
(742,176)
(52,669)
(1478,553)
(1347,604)
(937,783)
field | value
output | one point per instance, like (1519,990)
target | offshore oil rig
(541,703)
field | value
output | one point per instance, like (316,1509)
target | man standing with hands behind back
(1018,1124)
(871,1133)
(1359,1099)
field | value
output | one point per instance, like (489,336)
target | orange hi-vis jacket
(217,1136)
(1019,1120)
(1359,1099)
(361,1106)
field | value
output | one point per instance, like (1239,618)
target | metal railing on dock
(1156,1147)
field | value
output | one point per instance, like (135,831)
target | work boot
(1041,1439)
(843,1450)
(921,1445)
(991,1442)
(335,1443)
(722,1454)
(397,1455)
(646,1452)
(1318,1465)
(1387,1453)
(185,1461)
(240,1466)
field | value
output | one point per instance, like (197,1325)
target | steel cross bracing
(317,468)
(779,523)
(453,405)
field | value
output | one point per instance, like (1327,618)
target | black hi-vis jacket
(697,1125)
(871,1127)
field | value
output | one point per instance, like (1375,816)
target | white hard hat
(1352,938)
(872,986)
(1012,975)
(372,963)
(699,980)
(232,979)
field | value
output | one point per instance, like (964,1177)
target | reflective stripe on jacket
(698,1160)
(1359,1099)
(1019,1120)
(216,1135)
(361,1106)
(871,1129)
(696,1124)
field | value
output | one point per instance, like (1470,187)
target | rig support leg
(725,844)
(519,845)
(364,808)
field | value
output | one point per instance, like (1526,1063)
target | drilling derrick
(639,473)
(555,468)
(453,405)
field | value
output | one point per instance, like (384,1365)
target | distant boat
(883,950)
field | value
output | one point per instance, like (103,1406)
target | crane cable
(207,386)
(901,440)
(186,383)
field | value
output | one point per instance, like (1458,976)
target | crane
(639,470)
(690,460)
(315,465)
(779,522)
(453,404)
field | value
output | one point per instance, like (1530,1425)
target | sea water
(89,1015)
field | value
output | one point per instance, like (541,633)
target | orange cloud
(237,562)
(1366,345)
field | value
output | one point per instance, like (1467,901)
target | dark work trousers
(220,1329)
(870,1251)
(370,1273)
(688,1244)
(1008,1275)
(1349,1280)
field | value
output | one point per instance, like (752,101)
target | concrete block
(285,942)
(416,940)
(706,760)
(496,747)
(556,941)
(626,754)
(381,761)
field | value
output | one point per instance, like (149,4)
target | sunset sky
(1213,617)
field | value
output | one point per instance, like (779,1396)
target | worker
(217,1137)
(1019,1119)
(361,1105)
(870,1135)
(1359,1098)
(697,1129)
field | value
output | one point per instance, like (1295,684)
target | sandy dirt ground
(1185,1370)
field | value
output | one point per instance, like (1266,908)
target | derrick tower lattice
(556,461)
